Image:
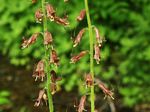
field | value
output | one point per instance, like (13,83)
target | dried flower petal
(76,58)
(82,104)
(50,12)
(38,16)
(81,15)
(106,91)
(39,99)
(98,37)
(61,21)
(88,80)
(48,38)
(39,71)
(54,58)
(97,53)
(78,38)
(31,40)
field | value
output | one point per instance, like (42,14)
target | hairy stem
(92,96)
(47,68)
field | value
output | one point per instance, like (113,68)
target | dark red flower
(76,58)
(105,90)
(54,58)
(47,38)
(54,79)
(97,53)
(61,21)
(78,38)
(81,15)
(38,16)
(82,104)
(89,80)
(31,40)
(42,96)
(50,12)
(98,37)
(39,71)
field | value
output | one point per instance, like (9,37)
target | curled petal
(31,40)
(78,38)
(47,38)
(81,15)
(97,53)
(76,58)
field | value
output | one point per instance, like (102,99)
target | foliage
(125,55)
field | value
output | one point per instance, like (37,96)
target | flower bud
(89,80)
(40,97)
(98,37)
(54,58)
(97,53)
(78,38)
(50,12)
(61,21)
(47,38)
(38,16)
(81,15)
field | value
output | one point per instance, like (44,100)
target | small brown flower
(105,90)
(50,12)
(89,80)
(98,37)
(47,38)
(39,71)
(54,79)
(97,53)
(76,58)
(78,38)
(42,96)
(61,21)
(54,58)
(38,16)
(31,40)
(82,104)
(81,15)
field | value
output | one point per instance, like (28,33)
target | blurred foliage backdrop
(125,63)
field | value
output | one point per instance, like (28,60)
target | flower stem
(50,100)
(92,95)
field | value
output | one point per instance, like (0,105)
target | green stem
(47,68)
(92,95)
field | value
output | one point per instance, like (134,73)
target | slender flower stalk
(47,68)
(92,95)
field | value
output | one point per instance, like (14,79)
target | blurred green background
(125,63)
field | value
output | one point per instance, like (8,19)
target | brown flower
(54,58)
(50,12)
(34,1)
(42,96)
(76,58)
(97,53)
(61,21)
(82,104)
(31,40)
(98,37)
(89,80)
(105,90)
(78,38)
(54,79)
(38,16)
(47,38)
(81,15)
(39,71)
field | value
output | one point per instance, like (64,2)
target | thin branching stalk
(92,95)
(50,100)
